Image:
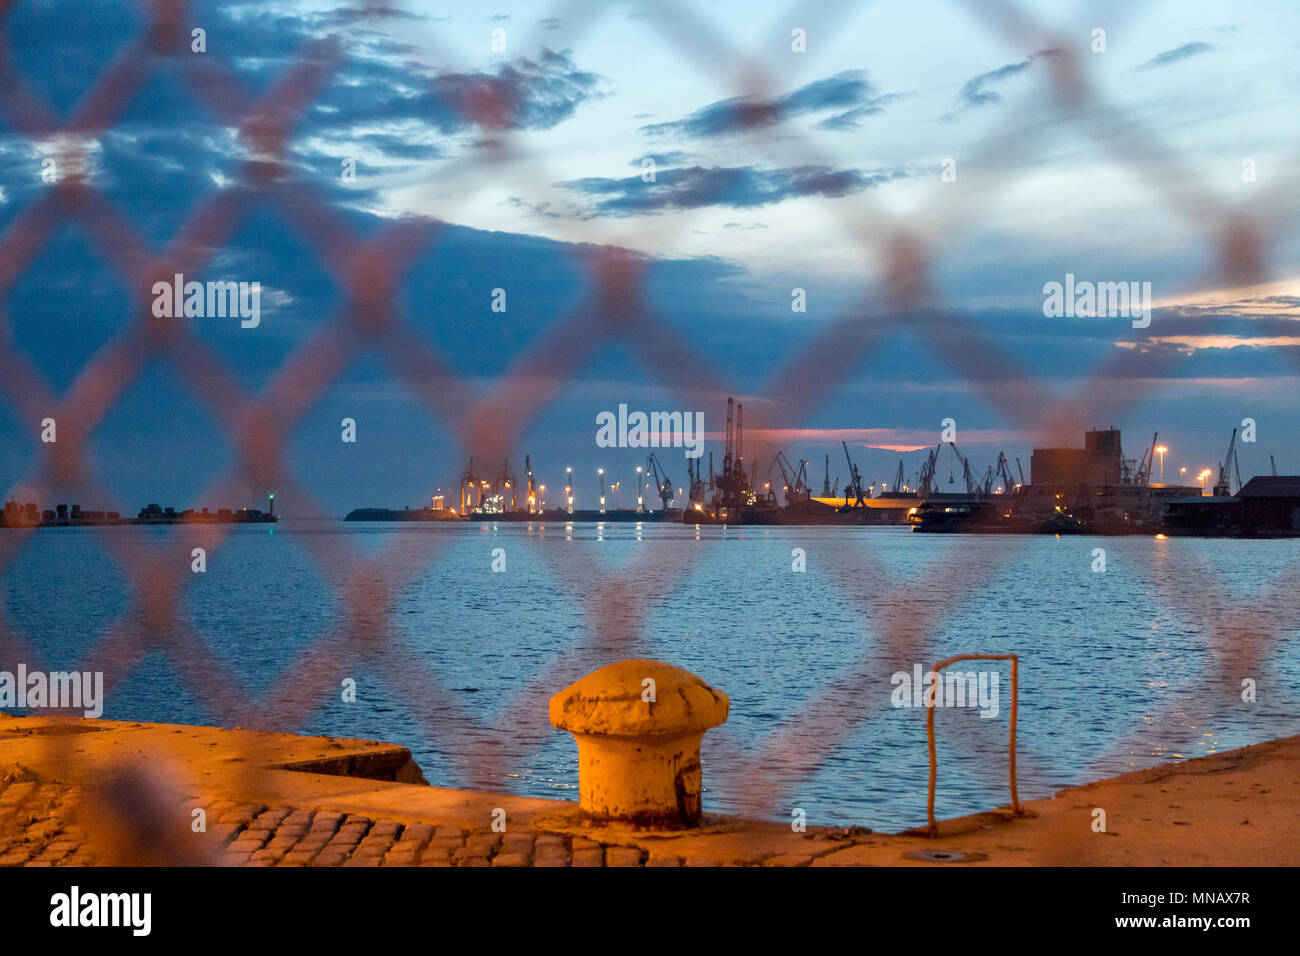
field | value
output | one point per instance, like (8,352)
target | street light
(601,472)
(568,487)
(1202,476)
(1161,451)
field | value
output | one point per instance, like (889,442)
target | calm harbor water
(1119,670)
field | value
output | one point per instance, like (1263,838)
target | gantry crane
(505,486)
(470,479)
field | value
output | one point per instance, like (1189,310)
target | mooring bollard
(638,724)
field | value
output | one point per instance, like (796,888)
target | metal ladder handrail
(929,729)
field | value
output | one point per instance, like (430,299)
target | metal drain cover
(938,856)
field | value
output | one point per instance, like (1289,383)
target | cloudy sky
(981,153)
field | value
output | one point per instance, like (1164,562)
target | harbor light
(1160,450)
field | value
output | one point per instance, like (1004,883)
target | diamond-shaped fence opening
(375,315)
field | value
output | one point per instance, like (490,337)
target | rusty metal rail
(933,827)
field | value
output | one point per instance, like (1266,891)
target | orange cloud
(889,439)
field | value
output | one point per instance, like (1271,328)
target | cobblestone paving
(37,824)
(38,827)
(280,836)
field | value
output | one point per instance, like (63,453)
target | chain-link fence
(615,312)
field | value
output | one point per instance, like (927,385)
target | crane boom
(926,484)
(663,484)
(1223,487)
(965,469)
(854,487)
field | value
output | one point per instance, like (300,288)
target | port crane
(1134,471)
(505,485)
(1223,487)
(926,484)
(854,487)
(470,480)
(1148,459)
(696,481)
(733,490)
(898,478)
(1004,471)
(663,484)
(532,485)
(795,479)
(965,469)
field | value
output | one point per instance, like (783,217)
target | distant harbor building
(1098,475)
(1093,489)
(156,514)
(20,515)
(15,515)
(1268,506)
(1098,464)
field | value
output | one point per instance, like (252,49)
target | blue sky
(773,170)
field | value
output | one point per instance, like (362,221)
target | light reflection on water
(1114,668)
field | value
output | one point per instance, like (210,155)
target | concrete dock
(75,791)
